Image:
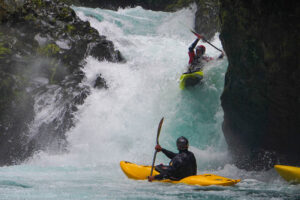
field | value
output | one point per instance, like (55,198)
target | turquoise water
(120,123)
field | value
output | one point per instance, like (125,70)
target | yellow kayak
(190,79)
(289,173)
(141,172)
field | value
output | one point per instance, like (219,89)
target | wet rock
(43,45)
(261,98)
(207,18)
(100,82)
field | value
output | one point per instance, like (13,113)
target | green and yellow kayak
(190,79)
(141,172)
(289,173)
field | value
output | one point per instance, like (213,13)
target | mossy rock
(70,28)
(4,50)
(49,50)
(38,3)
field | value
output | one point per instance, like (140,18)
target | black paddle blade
(205,40)
(153,161)
(158,130)
(157,142)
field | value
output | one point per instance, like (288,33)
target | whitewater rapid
(120,123)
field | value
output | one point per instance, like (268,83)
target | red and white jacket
(197,60)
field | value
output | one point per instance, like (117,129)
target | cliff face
(261,97)
(206,19)
(42,48)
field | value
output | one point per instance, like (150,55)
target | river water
(120,123)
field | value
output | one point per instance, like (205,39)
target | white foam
(120,123)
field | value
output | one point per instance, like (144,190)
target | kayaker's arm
(193,45)
(208,59)
(169,154)
(191,51)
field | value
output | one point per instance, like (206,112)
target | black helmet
(182,143)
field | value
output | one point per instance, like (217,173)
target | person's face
(198,52)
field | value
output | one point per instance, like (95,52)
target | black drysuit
(182,164)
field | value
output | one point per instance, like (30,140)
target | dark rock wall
(261,97)
(207,18)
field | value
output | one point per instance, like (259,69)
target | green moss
(38,3)
(4,50)
(224,15)
(29,17)
(70,28)
(6,83)
(91,30)
(65,12)
(49,50)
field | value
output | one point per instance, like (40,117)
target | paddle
(157,142)
(205,40)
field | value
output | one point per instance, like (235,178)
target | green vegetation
(38,3)
(4,50)
(65,12)
(29,17)
(70,28)
(49,50)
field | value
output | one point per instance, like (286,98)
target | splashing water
(120,123)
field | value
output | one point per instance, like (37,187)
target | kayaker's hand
(158,148)
(150,178)
(198,36)
(221,56)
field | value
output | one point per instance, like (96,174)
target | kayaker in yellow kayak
(182,164)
